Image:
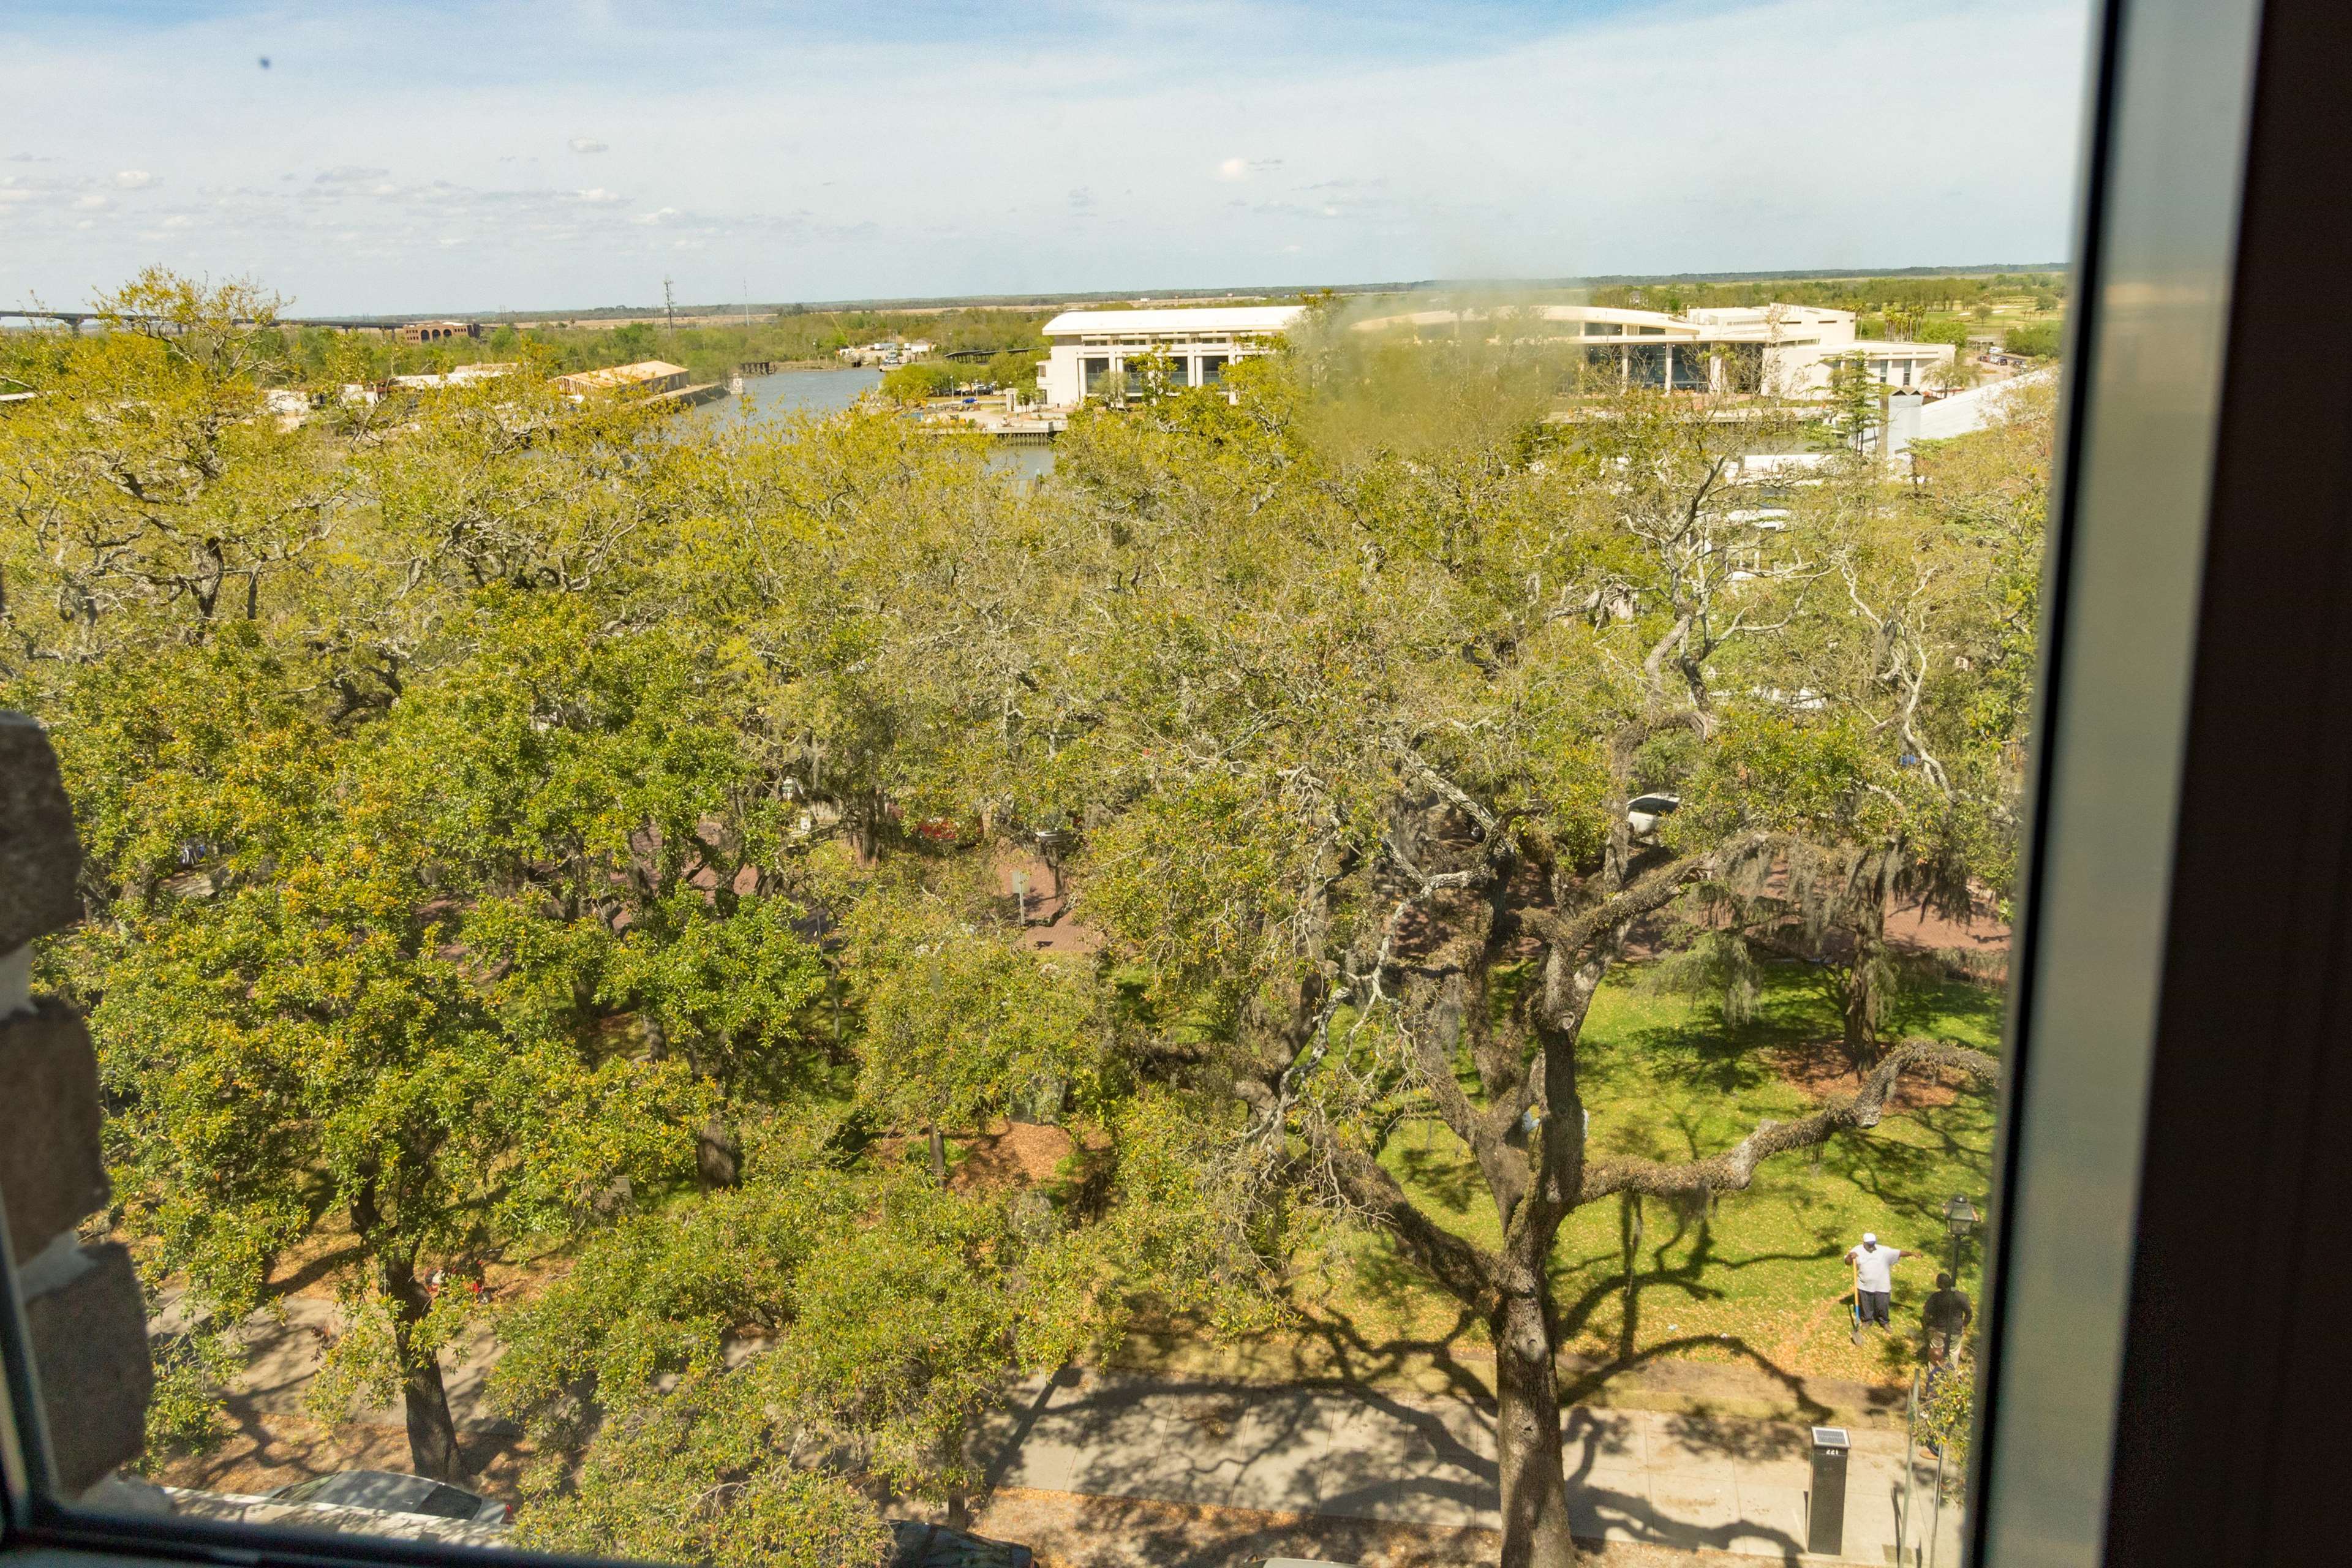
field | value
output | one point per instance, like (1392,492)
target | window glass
(448,1502)
(709,874)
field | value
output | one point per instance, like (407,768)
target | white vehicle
(392,1491)
(1645,812)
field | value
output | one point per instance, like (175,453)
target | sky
(458,156)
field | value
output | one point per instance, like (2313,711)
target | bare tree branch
(1569,934)
(1732,1170)
(1465,1269)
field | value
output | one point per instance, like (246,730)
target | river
(768,399)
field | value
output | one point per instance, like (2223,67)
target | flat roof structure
(1090,348)
(645,375)
(1179,322)
(1785,351)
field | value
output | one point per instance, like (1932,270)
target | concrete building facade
(1783,350)
(1093,349)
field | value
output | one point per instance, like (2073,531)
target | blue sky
(540,154)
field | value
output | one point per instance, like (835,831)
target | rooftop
(1757,323)
(622,374)
(1208,319)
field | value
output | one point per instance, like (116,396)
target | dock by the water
(1028,428)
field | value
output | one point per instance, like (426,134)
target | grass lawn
(1761,1277)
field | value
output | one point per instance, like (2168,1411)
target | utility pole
(669,304)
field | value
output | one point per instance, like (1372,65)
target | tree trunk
(1858,1041)
(1862,999)
(938,1156)
(863,817)
(1527,1437)
(432,1434)
(424,1401)
(717,1154)
(1629,1235)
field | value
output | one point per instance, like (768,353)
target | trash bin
(1825,1523)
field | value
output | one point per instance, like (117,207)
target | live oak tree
(142,495)
(961,1026)
(1364,706)
(301,1044)
(469,778)
(745,1375)
(433,882)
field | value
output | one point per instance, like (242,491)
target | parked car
(1645,812)
(914,1544)
(393,1492)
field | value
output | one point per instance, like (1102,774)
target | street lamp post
(1959,1219)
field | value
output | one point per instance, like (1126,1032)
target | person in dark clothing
(1945,1316)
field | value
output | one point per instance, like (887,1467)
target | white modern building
(1783,350)
(1199,344)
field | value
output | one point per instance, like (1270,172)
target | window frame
(2201,480)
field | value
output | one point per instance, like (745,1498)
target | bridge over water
(74,318)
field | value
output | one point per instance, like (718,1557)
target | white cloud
(587,144)
(1451,152)
(349,174)
(92,203)
(133,179)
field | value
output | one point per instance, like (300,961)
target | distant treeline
(1894,306)
(1859,294)
(710,351)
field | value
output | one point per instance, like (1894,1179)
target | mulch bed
(1820,1069)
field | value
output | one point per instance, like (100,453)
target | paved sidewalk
(1652,1477)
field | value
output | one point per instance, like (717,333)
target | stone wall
(82,1303)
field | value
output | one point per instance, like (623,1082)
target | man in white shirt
(1873,1278)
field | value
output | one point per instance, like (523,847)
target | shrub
(2039,340)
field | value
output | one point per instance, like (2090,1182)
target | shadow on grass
(1951,1007)
(1443,1171)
